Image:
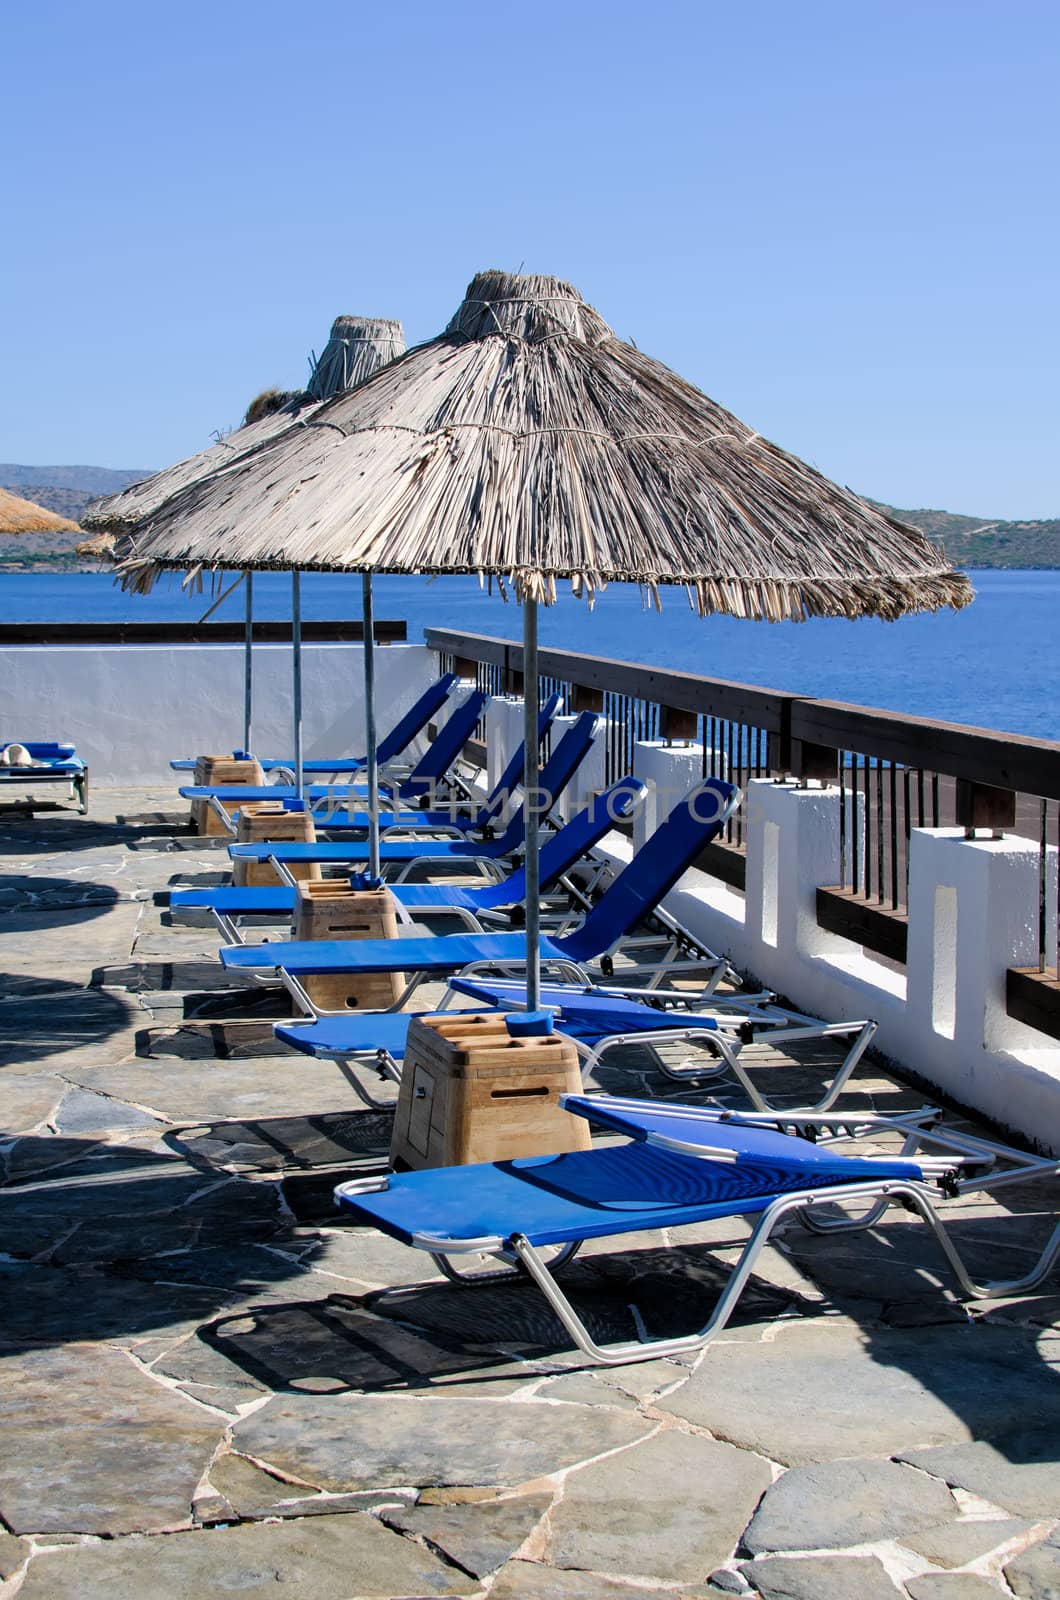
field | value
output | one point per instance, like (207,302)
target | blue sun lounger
(599,1021)
(471,903)
(404,855)
(683,1165)
(390,746)
(52,762)
(428,773)
(633,894)
(676,1170)
(449,818)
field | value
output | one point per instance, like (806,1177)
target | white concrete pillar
(792,849)
(504,731)
(973,913)
(591,776)
(670,771)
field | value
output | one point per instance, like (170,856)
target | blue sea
(994,665)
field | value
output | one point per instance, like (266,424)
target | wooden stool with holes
(332,909)
(470,1091)
(219,770)
(272,821)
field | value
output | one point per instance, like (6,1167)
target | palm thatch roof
(98,546)
(355,348)
(25,516)
(528,443)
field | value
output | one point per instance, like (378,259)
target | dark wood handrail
(686,691)
(974,755)
(65,633)
(980,756)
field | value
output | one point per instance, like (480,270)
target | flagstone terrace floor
(209,1385)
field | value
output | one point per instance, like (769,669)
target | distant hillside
(974,542)
(67,490)
(969,541)
(93,481)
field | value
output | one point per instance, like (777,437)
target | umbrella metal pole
(370,742)
(296,677)
(248,667)
(532,806)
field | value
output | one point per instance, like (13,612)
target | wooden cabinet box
(219,770)
(332,909)
(268,820)
(470,1092)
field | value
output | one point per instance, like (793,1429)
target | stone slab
(1020,1471)
(934,1386)
(1035,1574)
(344,1442)
(526,1580)
(672,1508)
(957,1544)
(820,1578)
(250,1493)
(92,1445)
(84,1111)
(29,1101)
(13,1552)
(319,1558)
(195,1092)
(952,1586)
(74,941)
(62,1025)
(45,1305)
(836,1504)
(479,1537)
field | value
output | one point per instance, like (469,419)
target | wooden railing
(897,772)
(67,633)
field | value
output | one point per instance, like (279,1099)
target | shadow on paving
(22,892)
(24,834)
(42,1017)
(100,1240)
(435,1331)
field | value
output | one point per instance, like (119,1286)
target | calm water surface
(995,664)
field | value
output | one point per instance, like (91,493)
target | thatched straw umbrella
(19,516)
(527,443)
(356,347)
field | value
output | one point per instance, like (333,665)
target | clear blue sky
(838,217)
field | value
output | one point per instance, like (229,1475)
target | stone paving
(212,1384)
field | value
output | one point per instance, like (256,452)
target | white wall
(131,708)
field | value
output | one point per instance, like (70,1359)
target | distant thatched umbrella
(529,444)
(25,516)
(356,347)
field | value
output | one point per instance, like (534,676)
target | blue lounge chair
(426,775)
(683,1165)
(599,1021)
(51,762)
(635,892)
(471,903)
(451,819)
(403,856)
(390,746)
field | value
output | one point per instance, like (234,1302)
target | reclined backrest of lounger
(439,756)
(567,847)
(553,778)
(391,745)
(416,718)
(656,867)
(512,776)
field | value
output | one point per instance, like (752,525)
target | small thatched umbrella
(19,516)
(528,444)
(356,347)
